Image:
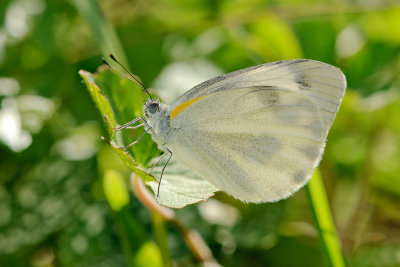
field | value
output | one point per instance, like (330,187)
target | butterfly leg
(162,171)
(159,159)
(137,140)
(128,124)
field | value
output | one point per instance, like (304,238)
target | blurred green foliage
(54,209)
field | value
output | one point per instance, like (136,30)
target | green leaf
(130,162)
(101,101)
(180,186)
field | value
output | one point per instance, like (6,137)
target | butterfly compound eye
(153,107)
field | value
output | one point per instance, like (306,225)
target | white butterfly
(256,133)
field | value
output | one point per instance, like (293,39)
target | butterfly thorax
(158,121)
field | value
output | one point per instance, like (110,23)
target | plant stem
(161,237)
(323,220)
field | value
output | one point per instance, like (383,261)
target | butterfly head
(151,107)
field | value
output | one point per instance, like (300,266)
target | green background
(65,196)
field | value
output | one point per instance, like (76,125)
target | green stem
(323,220)
(161,236)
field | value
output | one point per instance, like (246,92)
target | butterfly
(257,133)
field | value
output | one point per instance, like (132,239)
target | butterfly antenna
(132,78)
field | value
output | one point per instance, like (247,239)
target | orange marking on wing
(183,106)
